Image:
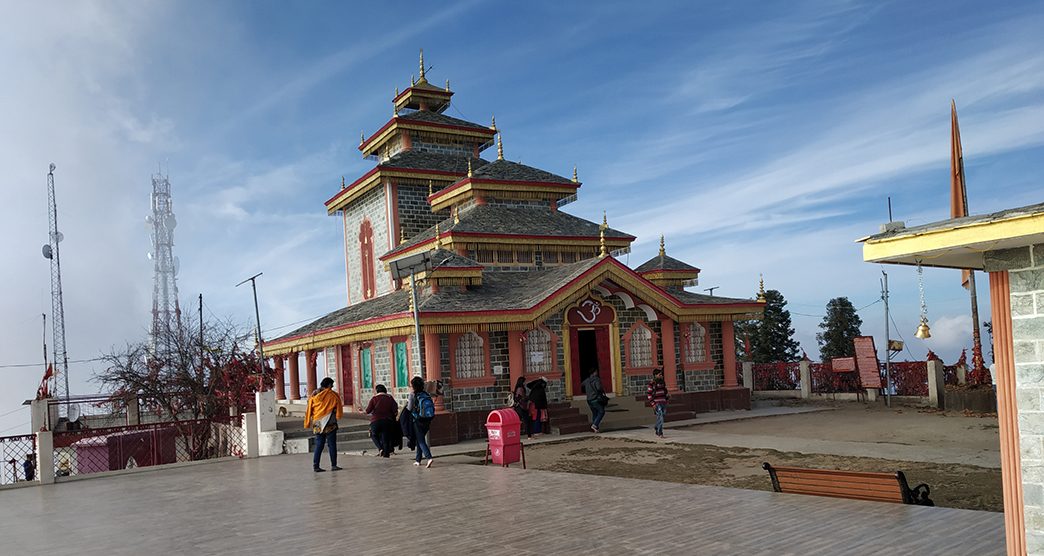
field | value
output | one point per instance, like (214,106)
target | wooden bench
(879,487)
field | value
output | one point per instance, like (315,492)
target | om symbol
(593,309)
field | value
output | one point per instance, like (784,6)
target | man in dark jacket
(382,410)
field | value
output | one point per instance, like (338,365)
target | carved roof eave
(396,124)
(447,239)
(522,319)
(429,92)
(467,187)
(372,178)
(666,274)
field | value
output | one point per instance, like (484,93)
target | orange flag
(958,193)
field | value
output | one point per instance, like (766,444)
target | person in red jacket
(382,410)
(657,395)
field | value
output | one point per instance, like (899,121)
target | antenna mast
(166,312)
(50,251)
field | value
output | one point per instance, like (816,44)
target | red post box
(505,443)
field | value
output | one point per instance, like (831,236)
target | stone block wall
(1025,266)
(710,379)
(415,215)
(372,206)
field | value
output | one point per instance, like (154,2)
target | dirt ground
(952,485)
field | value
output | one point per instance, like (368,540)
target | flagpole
(979,372)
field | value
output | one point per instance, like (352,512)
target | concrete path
(277,505)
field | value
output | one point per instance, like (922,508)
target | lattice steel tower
(166,312)
(50,251)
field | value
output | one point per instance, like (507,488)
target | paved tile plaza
(277,505)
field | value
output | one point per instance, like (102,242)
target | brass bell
(923,332)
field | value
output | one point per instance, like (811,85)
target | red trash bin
(502,432)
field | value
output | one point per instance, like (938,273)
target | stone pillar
(728,355)
(433,365)
(748,375)
(670,358)
(280,377)
(805,371)
(133,410)
(39,415)
(295,380)
(265,405)
(936,384)
(45,457)
(250,433)
(310,378)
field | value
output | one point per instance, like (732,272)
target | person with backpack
(382,409)
(422,406)
(657,396)
(596,398)
(323,411)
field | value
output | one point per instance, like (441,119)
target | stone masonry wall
(1025,266)
(415,213)
(711,379)
(372,206)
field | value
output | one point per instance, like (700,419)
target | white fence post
(265,404)
(806,379)
(748,375)
(133,411)
(39,415)
(250,426)
(936,384)
(45,457)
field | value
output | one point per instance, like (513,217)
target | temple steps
(566,419)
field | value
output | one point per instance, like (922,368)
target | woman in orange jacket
(324,409)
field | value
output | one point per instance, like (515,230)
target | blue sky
(757,138)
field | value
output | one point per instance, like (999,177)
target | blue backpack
(425,406)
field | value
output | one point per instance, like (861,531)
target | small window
(568,257)
(366,366)
(524,256)
(402,365)
(505,256)
(539,351)
(695,343)
(641,347)
(550,257)
(484,256)
(470,355)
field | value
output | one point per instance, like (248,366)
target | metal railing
(18,454)
(826,381)
(909,378)
(776,376)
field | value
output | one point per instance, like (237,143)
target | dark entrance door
(346,375)
(590,351)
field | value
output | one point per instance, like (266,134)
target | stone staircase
(567,419)
(352,435)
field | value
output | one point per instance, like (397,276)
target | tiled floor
(277,505)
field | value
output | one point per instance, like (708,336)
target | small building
(1009,245)
(514,285)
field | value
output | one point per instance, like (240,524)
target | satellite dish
(177,265)
(47,251)
(74,413)
(149,255)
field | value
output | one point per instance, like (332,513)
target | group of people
(387,425)
(530,403)
(656,395)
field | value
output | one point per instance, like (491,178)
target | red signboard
(591,312)
(866,361)
(843,364)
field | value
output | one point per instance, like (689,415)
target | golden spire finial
(602,251)
(493,125)
(663,250)
(431,188)
(342,183)
(362,137)
(447,85)
(761,289)
(422,64)
(500,148)
(396,93)
(436,236)
(412,80)
(456,215)
(469,166)
(605,221)
(575,179)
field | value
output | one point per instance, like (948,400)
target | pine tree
(840,326)
(772,339)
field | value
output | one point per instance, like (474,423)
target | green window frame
(366,366)
(402,365)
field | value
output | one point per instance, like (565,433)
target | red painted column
(295,379)
(670,360)
(516,355)
(433,365)
(310,378)
(279,376)
(728,354)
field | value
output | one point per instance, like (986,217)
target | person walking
(382,410)
(520,403)
(657,395)
(324,409)
(596,398)
(422,406)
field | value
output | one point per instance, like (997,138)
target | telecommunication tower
(166,312)
(50,251)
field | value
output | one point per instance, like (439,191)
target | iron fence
(826,381)
(86,451)
(776,376)
(18,454)
(909,378)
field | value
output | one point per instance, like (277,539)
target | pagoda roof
(407,164)
(506,170)
(665,263)
(506,180)
(426,120)
(507,221)
(423,160)
(437,118)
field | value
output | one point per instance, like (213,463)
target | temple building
(511,285)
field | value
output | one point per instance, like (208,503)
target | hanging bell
(923,332)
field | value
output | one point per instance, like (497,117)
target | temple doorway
(590,349)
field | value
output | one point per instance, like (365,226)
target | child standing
(657,395)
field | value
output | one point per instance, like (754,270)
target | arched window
(695,343)
(641,343)
(470,356)
(369,284)
(540,351)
